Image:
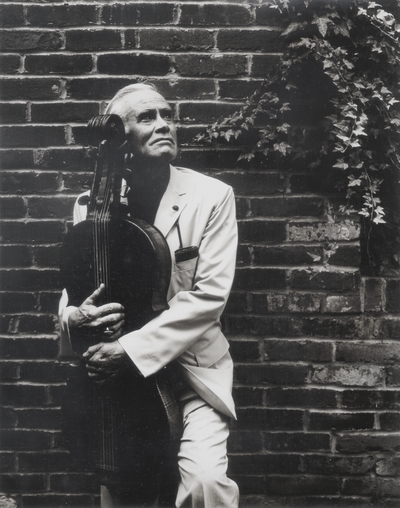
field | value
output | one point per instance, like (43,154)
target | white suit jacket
(190,330)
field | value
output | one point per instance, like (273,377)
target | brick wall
(315,343)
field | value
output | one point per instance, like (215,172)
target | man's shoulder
(206,182)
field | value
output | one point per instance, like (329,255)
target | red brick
(8,418)
(323,231)
(79,482)
(31,136)
(267,326)
(263,64)
(296,441)
(297,350)
(254,183)
(43,461)
(47,500)
(393,295)
(343,304)
(11,15)
(285,302)
(46,256)
(248,397)
(61,15)
(389,421)
(23,483)
(205,112)
(245,350)
(97,88)
(374,294)
(10,64)
(346,255)
(29,279)
(371,399)
(172,39)
(267,463)
(353,486)
(234,89)
(103,39)
(32,232)
(300,398)
(388,467)
(268,15)
(9,371)
(367,443)
(125,63)
(214,15)
(393,378)
(43,418)
(30,89)
(314,464)
(12,208)
(210,159)
(341,421)
(153,13)
(287,207)
(258,231)
(71,158)
(343,327)
(281,485)
(17,302)
(389,487)
(45,371)
(28,349)
(245,441)
(59,64)
(271,374)
(285,255)
(259,278)
(259,40)
(376,352)
(211,65)
(63,112)
(28,40)
(48,301)
(349,375)
(53,208)
(389,328)
(333,281)
(20,396)
(36,324)
(12,113)
(7,462)
(17,182)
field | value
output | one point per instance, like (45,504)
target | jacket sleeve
(192,313)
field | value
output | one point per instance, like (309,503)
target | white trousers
(202,461)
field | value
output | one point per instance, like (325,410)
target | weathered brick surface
(316,344)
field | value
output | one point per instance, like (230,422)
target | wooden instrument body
(138,265)
(125,424)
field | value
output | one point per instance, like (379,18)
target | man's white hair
(137,87)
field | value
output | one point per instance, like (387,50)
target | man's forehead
(138,101)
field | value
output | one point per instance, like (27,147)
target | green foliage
(352,49)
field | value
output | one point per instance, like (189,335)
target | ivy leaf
(322,24)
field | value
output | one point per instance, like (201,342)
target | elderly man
(189,209)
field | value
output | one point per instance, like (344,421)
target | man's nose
(161,123)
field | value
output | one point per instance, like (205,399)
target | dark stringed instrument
(133,260)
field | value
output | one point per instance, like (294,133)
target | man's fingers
(110,308)
(91,300)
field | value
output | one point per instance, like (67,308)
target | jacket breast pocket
(183,274)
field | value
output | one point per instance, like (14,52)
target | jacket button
(175,207)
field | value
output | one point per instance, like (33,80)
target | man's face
(149,127)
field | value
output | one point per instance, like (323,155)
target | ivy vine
(354,46)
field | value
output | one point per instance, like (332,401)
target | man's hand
(105,361)
(105,322)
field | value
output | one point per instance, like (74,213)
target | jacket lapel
(172,203)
